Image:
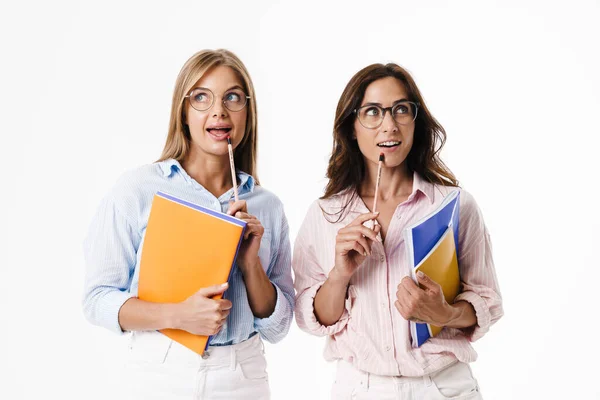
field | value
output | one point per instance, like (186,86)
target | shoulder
(134,188)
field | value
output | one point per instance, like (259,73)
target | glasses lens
(235,100)
(370,116)
(405,112)
(201,99)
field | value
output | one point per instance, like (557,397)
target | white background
(85,95)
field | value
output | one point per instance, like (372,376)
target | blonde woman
(213,98)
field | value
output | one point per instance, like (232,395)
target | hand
(425,304)
(248,254)
(353,244)
(201,315)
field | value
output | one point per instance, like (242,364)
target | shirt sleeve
(478,276)
(110,254)
(310,276)
(276,326)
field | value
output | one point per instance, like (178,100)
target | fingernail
(365,254)
(420,274)
(224,284)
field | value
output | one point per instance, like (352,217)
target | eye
(200,97)
(401,109)
(233,97)
(371,112)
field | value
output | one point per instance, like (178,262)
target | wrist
(249,267)
(452,314)
(170,318)
(336,276)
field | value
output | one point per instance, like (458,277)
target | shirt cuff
(305,312)
(274,327)
(482,313)
(106,313)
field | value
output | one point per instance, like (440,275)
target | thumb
(426,281)
(211,291)
(229,209)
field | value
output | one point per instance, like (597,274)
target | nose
(388,124)
(219,110)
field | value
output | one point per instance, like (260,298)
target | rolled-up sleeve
(110,254)
(276,326)
(478,275)
(310,276)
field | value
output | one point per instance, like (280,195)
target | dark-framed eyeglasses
(371,116)
(202,99)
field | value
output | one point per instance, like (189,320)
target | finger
(364,231)
(255,229)
(357,238)
(224,304)
(359,249)
(361,219)
(409,285)
(346,247)
(426,281)
(236,206)
(403,294)
(377,229)
(214,290)
(245,216)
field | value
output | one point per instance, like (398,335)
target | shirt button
(387,348)
(381,258)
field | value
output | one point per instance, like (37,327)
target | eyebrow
(227,90)
(379,104)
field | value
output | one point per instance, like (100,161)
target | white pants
(159,368)
(453,382)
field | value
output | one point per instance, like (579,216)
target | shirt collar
(420,185)
(246,182)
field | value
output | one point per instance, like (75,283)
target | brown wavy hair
(346,169)
(178,138)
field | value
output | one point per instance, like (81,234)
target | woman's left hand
(424,305)
(248,254)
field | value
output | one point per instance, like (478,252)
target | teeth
(389,144)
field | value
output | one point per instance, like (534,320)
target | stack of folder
(432,247)
(186,247)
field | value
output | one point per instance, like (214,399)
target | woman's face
(390,138)
(209,129)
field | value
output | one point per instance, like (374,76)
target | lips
(389,144)
(219,132)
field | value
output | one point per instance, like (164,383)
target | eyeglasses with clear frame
(202,99)
(371,116)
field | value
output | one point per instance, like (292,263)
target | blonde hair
(178,137)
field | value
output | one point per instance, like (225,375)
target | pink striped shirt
(371,334)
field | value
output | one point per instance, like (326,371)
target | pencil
(377,182)
(232,166)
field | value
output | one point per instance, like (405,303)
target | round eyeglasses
(202,99)
(371,116)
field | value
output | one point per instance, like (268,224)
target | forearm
(329,301)
(140,315)
(261,293)
(462,316)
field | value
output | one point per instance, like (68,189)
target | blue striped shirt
(114,244)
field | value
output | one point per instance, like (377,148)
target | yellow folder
(441,265)
(186,247)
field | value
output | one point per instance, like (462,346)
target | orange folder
(186,247)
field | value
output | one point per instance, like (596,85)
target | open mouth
(221,131)
(389,144)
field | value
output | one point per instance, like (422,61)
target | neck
(212,172)
(394,182)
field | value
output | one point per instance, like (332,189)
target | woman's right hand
(201,315)
(353,244)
